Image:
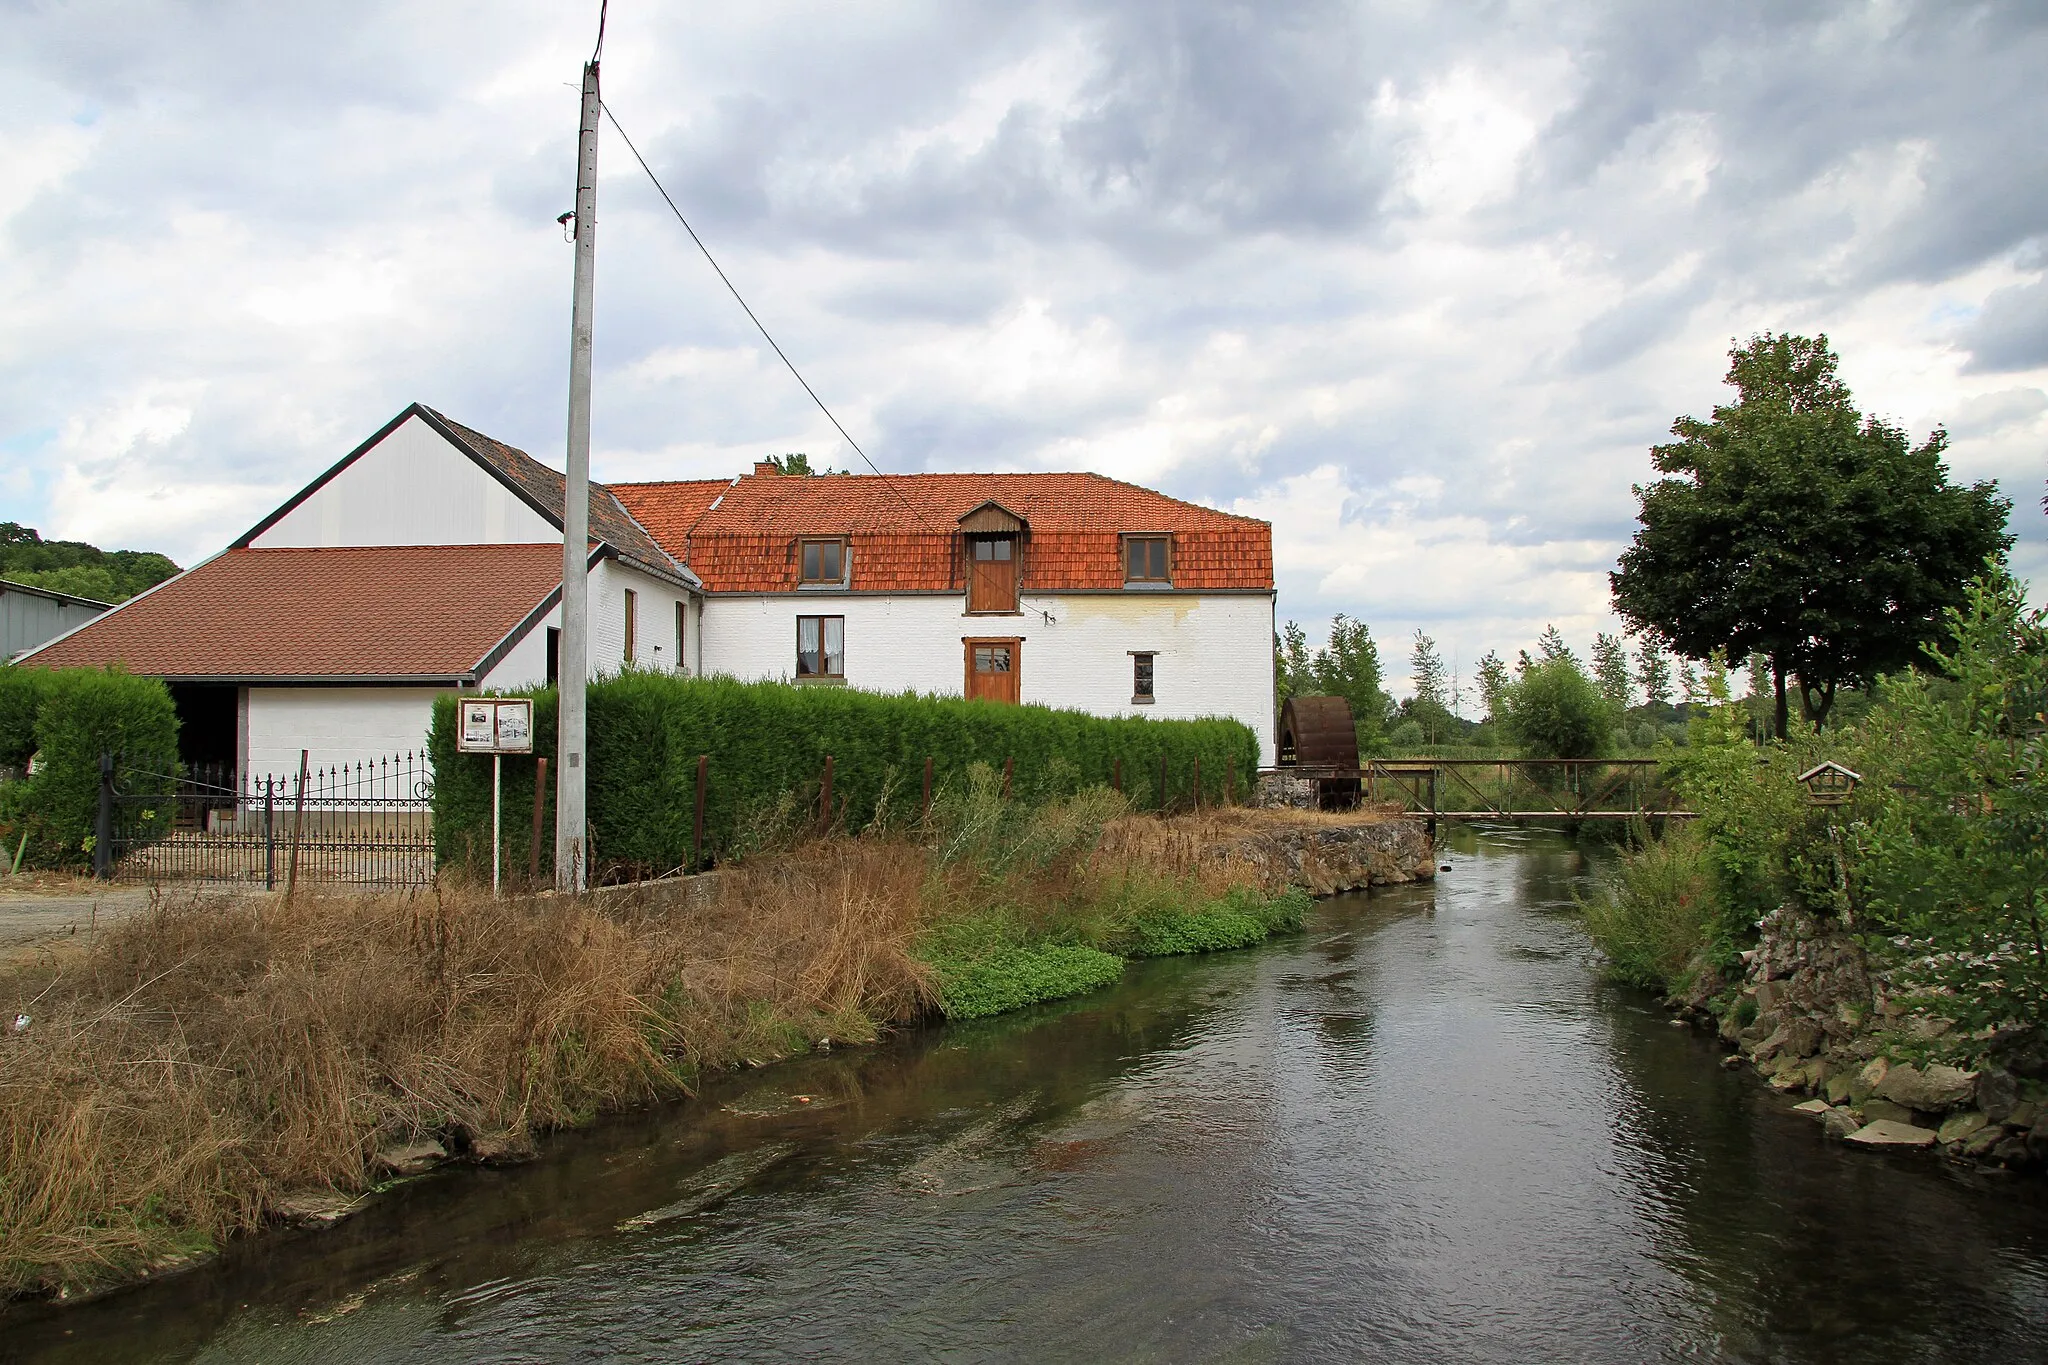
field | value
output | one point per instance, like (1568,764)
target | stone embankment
(1813,1017)
(1326,854)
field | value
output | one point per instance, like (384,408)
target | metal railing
(365,823)
(1524,789)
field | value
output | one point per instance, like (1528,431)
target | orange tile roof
(903,529)
(431,612)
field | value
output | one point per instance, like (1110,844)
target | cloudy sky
(1417,282)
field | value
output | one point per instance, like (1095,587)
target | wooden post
(1116,775)
(103,823)
(825,797)
(1230,780)
(926,812)
(697,831)
(1198,783)
(1162,784)
(540,787)
(291,880)
(1008,764)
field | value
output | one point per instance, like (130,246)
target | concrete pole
(573,662)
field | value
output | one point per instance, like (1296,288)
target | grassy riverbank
(198,1066)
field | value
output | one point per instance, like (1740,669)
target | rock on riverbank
(1814,1016)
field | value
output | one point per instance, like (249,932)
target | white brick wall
(1214,652)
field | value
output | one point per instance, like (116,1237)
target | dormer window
(823,561)
(1148,559)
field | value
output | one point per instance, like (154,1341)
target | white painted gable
(411,488)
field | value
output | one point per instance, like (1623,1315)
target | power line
(734,290)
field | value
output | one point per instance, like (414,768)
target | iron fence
(366,823)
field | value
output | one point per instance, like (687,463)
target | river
(1422,1130)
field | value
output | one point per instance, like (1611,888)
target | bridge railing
(1523,789)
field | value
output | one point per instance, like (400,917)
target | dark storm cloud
(2012,332)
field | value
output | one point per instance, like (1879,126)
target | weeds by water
(199,1065)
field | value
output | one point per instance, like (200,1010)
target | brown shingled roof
(902,529)
(431,612)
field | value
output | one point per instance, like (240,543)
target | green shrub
(82,713)
(767,744)
(1555,711)
(21,693)
(1658,912)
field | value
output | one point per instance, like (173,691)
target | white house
(429,560)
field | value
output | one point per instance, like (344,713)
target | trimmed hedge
(72,716)
(767,742)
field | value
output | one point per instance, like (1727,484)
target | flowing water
(1419,1131)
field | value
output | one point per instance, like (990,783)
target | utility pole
(573,661)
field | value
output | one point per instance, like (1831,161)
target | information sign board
(495,726)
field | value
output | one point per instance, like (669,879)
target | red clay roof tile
(903,529)
(389,611)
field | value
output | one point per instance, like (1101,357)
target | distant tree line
(72,566)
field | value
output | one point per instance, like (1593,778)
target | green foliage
(1430,706)
(1493,684)
(1952,855)
(1653,670)
(1554,711)
(1011,976)
(21,695)
(1791,526)
(767,744)
(79,714)
(1657,918)
(72,566)
(1610,669)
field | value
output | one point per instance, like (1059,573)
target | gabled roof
(389,613)
(903,529)
(539,487)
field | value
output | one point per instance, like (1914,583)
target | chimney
(765,467)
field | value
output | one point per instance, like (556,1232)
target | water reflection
(1419,1131)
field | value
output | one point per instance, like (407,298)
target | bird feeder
(1829,783)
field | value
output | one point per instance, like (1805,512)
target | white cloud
(1421,287)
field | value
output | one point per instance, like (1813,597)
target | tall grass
(1655,916)
(201,1064)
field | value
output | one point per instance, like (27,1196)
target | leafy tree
(1955,859)
(1653,670)
(1429,707)
(1688,683)
(1610,669)
(74,567)
(1493,681)
(1790,525)
(1349,667)
(1292,675)
(1550,645)
(1555,711)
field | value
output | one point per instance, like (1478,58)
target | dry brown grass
(201,1062)
(1215,849)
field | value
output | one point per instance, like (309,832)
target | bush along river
(1421,1130)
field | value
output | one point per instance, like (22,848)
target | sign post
(496,726)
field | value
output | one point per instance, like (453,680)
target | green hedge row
(70,716)
(767,744)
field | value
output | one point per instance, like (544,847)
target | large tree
(1791,526)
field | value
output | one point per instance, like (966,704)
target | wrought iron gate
(368,823)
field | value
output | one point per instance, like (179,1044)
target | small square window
(1141,679)
(824,561)
(1146,559)
(821,646)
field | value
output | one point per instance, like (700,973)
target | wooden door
(992,573)
(993,669)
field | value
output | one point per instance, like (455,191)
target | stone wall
(1325,858)
(1814,1017)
